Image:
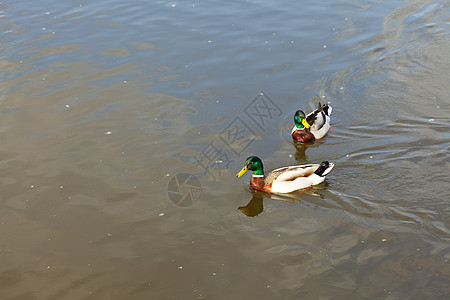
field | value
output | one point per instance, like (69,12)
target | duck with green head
(313,126)
(286,179)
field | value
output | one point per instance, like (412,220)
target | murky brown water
(105,106)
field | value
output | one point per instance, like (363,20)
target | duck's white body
(298,177)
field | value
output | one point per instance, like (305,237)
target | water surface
(103,104)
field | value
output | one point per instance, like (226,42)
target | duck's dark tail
(324,168)
(324,108)
(327,109)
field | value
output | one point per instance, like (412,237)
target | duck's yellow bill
(242,172)
(305,123)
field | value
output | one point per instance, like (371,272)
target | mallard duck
(286,179)
(312,127)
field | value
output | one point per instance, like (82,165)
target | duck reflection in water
(255,206)
(300,155)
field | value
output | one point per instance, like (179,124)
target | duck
(313,126)
(285,179)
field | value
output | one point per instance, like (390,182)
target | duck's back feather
(320,117)
(294,172)
(289,179)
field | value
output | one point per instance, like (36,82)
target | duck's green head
(254,164)
(300,120)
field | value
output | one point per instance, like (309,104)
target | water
(105,105)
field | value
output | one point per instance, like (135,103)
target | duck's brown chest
(259,183)
(303,136)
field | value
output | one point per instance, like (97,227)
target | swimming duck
(286,179)
(312,127)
